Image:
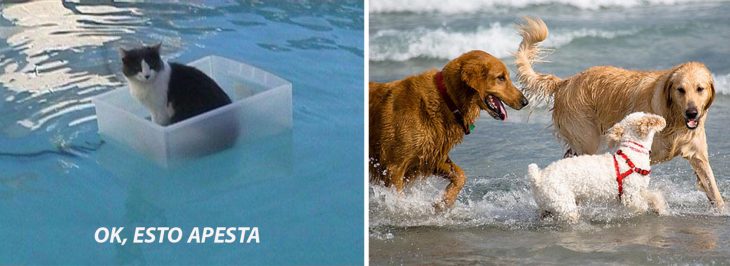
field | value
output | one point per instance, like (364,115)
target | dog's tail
(534,173)
(538,87)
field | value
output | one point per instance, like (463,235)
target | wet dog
(588,103)
(623,174)
(416,121)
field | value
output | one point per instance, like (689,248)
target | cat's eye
(681,90)
(700,89)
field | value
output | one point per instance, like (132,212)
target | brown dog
(588,103)
(416,121)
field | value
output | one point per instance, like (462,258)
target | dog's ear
(474,74)
(648,123)
(614,134)
(668,90)
(654,122)
(712,96)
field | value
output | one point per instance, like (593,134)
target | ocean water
(495,220)
(60,181)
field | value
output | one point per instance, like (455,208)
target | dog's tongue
(500,107)
(502,111)
(692,123)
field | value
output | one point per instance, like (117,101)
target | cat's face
(142,64)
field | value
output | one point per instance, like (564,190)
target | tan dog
(588,103)
(413,125)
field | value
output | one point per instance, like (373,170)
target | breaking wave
(435,6)
(500,41)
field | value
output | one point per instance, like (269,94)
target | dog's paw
(573,218)
(661,212)
(719,210)
(439,207)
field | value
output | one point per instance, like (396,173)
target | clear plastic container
(262,106)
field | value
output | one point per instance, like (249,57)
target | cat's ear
(122,52)
(157,47)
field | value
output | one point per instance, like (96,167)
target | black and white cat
(172,92)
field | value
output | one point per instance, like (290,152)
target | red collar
(632,169)
(439,80)
(637,147)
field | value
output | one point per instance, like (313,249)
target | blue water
(60,181)
(495,220)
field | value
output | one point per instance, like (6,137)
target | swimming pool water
(59,181)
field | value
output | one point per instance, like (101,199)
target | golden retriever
(588,103)
(414,122)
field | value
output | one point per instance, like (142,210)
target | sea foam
(500,41)
(437,6)
(722,84)
(507,202)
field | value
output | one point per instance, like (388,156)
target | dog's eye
(681,90)
(700,89)
(501,78)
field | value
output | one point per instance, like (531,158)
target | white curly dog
(622,175)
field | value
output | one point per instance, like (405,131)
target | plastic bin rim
(166,129)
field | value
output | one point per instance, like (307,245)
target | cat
(172,92)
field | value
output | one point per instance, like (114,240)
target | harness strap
(632,169)
(640,148)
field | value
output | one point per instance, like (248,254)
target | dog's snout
(147,76)
(524,101)
(691,113)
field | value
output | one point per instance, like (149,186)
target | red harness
(632,167)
